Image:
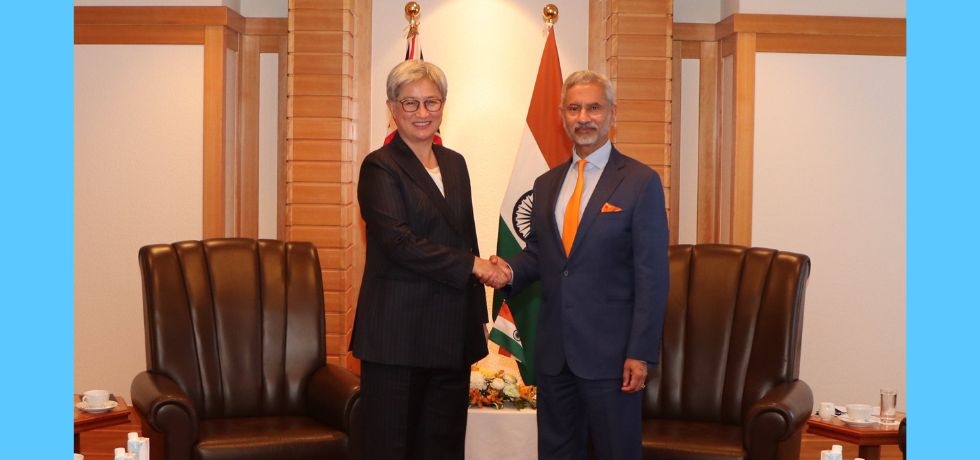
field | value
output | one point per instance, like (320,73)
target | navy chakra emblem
(521,217)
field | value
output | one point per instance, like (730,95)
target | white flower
(511,391)
(497,383)
(477,382)
(509,378)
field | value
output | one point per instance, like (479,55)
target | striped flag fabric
(543,146)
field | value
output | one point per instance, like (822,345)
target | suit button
(565,273)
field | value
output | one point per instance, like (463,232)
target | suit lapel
(416,173)
(551,187)
(610,179)
(451,182)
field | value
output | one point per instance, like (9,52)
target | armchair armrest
(332,393)
(779,415)
(168,410)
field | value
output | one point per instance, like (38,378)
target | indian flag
(543,146)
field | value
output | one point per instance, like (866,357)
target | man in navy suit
(598,244)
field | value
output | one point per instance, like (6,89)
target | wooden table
(869,439)
(85,421)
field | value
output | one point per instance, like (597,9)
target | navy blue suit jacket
(605,301)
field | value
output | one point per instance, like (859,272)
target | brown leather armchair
(727,386)
(235,353)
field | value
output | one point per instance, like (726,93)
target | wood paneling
(639,110)
(160,15)
(321,149)
(709,161)
(631,43)
(322,87)
(673,178)
(214,132)
(320,106)
(247,167)
(641,6)
(805,34)
(319,172)
(89,34)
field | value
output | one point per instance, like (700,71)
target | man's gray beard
(586,139)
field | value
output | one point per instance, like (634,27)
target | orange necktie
(570,225)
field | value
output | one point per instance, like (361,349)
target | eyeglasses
(591,109)
(412,105)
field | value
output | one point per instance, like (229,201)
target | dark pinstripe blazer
(419,304)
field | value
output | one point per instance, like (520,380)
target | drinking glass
(889,398)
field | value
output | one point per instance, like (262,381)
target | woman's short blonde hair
(413,71)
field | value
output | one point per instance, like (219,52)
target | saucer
(872,421)
(85,407)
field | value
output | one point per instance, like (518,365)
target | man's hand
(508,273)
(634,375)
(491,274)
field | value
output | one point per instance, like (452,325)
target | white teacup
(859,412)
(96,398)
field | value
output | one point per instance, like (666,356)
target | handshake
(494,272)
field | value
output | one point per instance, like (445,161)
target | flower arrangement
(489,388)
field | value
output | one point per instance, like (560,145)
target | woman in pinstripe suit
(422,309)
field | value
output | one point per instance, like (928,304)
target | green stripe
(524,306)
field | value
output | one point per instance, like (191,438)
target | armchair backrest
(237,323)
(732,330)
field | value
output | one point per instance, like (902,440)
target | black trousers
(413,413)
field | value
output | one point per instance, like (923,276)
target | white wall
(687,225)
(138,179)
(268,145)
(138,169)
(829,181)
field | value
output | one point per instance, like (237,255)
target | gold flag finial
(550,14)
(412,11)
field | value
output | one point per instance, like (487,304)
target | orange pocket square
(609,207)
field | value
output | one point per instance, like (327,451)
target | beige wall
(829,181)
(138,137)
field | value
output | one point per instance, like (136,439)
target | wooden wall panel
(322,87)
(632,43)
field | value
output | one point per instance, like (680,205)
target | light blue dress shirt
(594,164)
